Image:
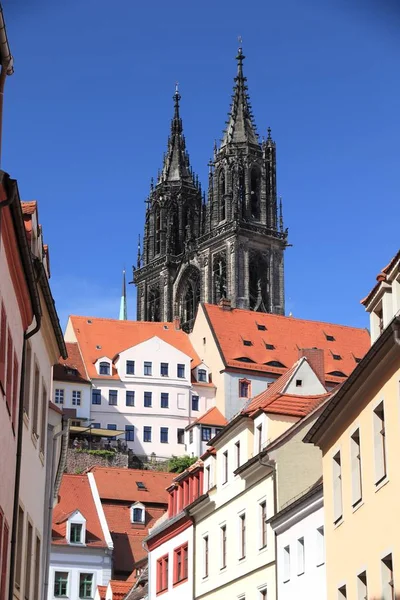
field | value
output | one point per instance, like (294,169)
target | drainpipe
(7,67)
(273,466)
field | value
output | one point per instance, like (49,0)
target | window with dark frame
(104,368)
(60,584)
(180,434)
(205,434)
(96,397)
(147,399)
(164,435)
(164,369)
(129,433)
(195,403)
(223,546)
(181,371)
(85,585)
(130,398)
(147,433)
(75,533)
(202,375)
(244,388)
(112,397)
(164,400)
(130,367)
(147,368)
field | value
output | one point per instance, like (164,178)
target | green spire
(123,309)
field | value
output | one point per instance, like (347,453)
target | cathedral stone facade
(229,244)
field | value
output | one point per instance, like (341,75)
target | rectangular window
(35,424)
(237,448)
(146,433)
(164,435)
(147,399)
(180,436)
(320,546)
(300,556)
(205,550)
(9,372)
(76,398)
(4,560)
(129,433)
(112,427)
(27,384)
(388,589)
(164,369)
(60,584)
(205,434)
(164,400)
(244,389)
(356,468)
(191,436)
(3,346)
(195,403)
(28,561)
(37,569)
(162,574)
(223,546)
(43,426)
(75,533)
(379,443)
(181,371)
(342,594)
(208,477)
(362,590)
(130,367)
(15,389)
(242,523)
(263,594)
(104,368)
(202,375)
(337,488)
(263,524)
(286,564)
(96,397)
(59,396)
(20,541)
(130,398)
(112,397)
(85,585)
(225,467)
(96,426)
(181,564)
(259,438)
(147,368)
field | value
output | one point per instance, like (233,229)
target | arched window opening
(222,192)
(154,304)
(258,275)
(189,299)
(158,231)
(173,233)
(242,195)
(104,368)
(219,277)
(255,182)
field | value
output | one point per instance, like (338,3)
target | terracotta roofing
(121,484)
(102,589)
(28,208)
(284,337)
(108,337)
(120,589)
(379,278)
(72,368)
(211,417)
(75,494)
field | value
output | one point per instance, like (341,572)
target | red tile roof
(120,589)
(211,417)
(75,494)
(380,277)
(286,335)
(102,591)
(120,484)
(113,336)
(74,361)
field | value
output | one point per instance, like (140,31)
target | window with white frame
(286,564)
(263,524)
(202,375)
(337,488)
(379,443)
(76,533)
(208,477)
(263,594)
(205,556)
(225,467)
(61,584)
(76,397)
(138,513)
(223,546)
(388,589)
(242,536)
(300,556)
(342,593)
(104,368)
(320,546)
(356,468)
(362,589)
(59,396)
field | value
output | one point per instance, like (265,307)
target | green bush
(178,464)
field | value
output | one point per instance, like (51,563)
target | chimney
(177,323)
(225,304)
(315,357)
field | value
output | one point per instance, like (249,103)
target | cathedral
(226,245)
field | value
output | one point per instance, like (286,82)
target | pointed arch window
(219,277)
(158,231)
(255,187)
(242,195)
(189,299)
(154,304)
(222,192)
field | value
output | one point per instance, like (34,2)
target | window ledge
(381,483)
(263,549)
(286,580)
(321,564)
(358,505)
(338,523)
(180,582)
(222,569)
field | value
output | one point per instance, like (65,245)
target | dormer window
(104,368)
(138,513)
(75,533)
(202,375)
(247,343)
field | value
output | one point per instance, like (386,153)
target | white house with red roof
(71,385)
(81,547)
(246,350)
(147,380)
(201,430)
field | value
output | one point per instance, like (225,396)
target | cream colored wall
(278,424)
(370,532)
(209,354)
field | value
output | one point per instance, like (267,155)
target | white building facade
(300,547)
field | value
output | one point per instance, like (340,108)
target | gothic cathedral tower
(228,247)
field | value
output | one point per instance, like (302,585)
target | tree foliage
(178,464)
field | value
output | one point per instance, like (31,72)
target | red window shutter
(1,536)
(15,390)
(9,372)
(4,563)
(3,343)
(158,577)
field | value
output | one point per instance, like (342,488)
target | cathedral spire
(176,165)
(240,127)
(123,311)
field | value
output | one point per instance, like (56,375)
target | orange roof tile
(120,484)
(102,591)
(108,337)
(380,277)
(120,589)
(75,494)
(75,362)
(211,417)
(286,335)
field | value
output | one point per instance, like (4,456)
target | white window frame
(301,556)
(76,519)
(356,469)
(320,545)
(380,444)
(286,563)
(242,555)
(143,509)
(63,399)
(337,487)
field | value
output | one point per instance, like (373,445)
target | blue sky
(87,113)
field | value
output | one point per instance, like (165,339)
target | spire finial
(240,57)
(280,214)
(177,97)
(123,313)
(269,133)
